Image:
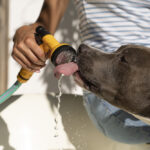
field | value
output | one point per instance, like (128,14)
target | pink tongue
(67,69)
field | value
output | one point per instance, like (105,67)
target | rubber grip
(24,75)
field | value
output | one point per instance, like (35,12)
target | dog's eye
(123,59)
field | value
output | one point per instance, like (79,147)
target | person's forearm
(51,13)
(25,50)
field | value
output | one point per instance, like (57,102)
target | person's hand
(26,51)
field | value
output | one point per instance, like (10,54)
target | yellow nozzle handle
(52,43)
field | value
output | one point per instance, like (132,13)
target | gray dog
(122,77)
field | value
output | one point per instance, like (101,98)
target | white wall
(25,12)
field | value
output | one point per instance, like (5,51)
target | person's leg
(116,123)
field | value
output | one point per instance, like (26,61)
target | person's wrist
(35,25)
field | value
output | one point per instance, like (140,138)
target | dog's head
(122,77)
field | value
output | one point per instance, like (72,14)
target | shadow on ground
(4,132)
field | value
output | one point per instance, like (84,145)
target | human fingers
(25,61)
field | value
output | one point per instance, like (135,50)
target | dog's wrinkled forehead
(134,54)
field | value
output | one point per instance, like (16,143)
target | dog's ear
(136,55)
(121,48)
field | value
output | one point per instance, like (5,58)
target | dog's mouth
(81,78)
(72,68)
(82,81)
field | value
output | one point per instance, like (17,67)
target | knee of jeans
(111,126)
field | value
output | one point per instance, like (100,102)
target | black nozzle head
(41,31)
(63,54)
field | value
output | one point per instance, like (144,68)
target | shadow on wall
(67,32)
(4,133)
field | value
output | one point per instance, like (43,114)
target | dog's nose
(82,48)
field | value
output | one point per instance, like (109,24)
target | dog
(122,77)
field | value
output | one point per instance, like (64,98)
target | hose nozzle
(48,43)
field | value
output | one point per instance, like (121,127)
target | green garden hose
(9,92)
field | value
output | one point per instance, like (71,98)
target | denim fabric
(116,123)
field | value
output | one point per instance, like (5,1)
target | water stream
(57,119)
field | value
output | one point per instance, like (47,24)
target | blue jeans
(116,123)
